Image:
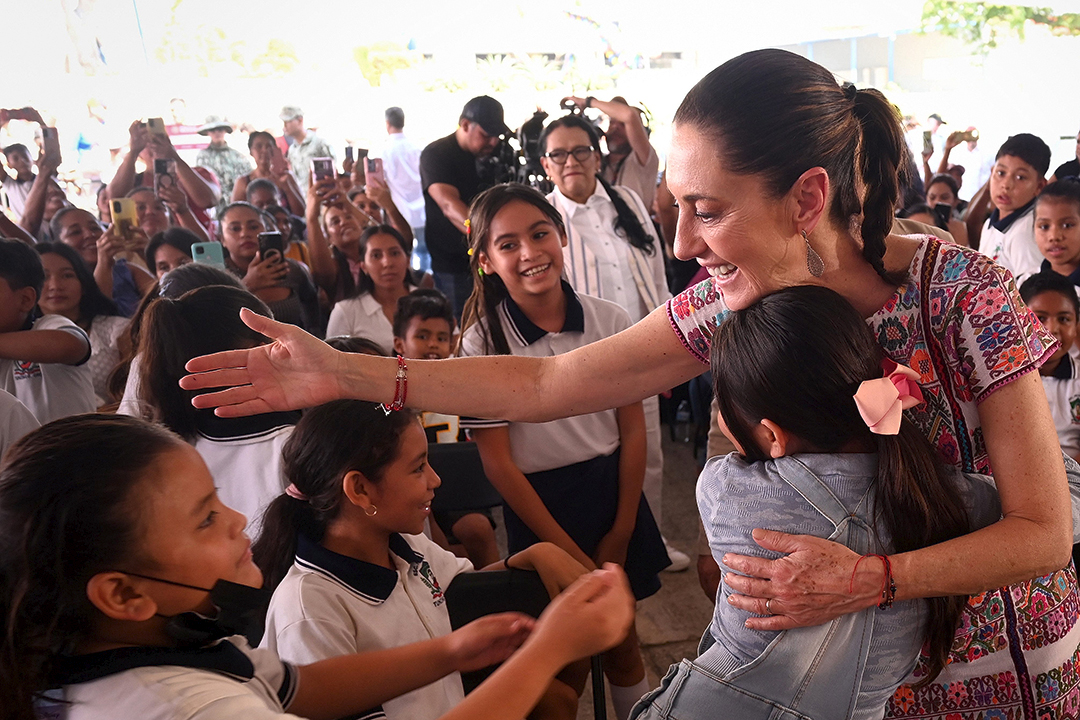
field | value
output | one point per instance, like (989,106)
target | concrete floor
(671,622)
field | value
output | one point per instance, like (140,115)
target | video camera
(516,159)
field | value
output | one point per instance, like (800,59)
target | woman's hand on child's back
(488,640)
(591,616)
(295,371)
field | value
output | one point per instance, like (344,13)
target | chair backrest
(464,484)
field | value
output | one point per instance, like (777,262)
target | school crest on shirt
(1074,409)
(423,570)
(26,369)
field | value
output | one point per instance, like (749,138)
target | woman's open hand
(591,616)
(295,371)
(812,584)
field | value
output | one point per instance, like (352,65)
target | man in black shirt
(448,174)
(1071,168)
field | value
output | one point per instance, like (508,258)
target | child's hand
(557,568)
(591,616)
(489,640)
(612,548)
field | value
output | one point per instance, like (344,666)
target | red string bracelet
(888,584)
(401,387)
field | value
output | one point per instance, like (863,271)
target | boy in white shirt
(42,360)
(1052,297)
(1019,173)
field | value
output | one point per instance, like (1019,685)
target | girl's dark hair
(366,285)
(203,321)
(356,345)
(180,238)
(1065,189)
(172,285)
(945,179)
(1050,281)
(797,357)
(264,218)
(256,135)
(775,114)
(69,509)
(93,302)
(489,290)
(625,220)
(328,442)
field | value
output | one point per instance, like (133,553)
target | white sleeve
(15,421)
(340,322)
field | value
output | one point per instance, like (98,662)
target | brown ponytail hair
(797,357)
(775,114)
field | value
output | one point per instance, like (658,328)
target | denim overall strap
(813,672)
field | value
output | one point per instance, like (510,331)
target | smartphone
(208,253)
(942,215)
(361,152)
(927,142)
(156,126)
(322,168)
(124,216)
(969,136)
(375,170)
(271,244)
(51,143)
(349,152)
(164,174)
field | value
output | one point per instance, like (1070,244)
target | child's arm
(347,684)
(44,346)
(612,547)
(557,570)
(504,474)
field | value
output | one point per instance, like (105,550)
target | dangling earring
(814,263)
(373,512)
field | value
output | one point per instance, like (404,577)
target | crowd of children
(291,563)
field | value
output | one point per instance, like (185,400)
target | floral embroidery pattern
(959,321)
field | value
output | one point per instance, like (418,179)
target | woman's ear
(114,594)
(358,489)
(810,197)
(771,438)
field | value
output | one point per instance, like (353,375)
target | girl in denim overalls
(823,450)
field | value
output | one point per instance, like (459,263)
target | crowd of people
(887,508)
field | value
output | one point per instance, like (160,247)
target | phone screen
(271,244)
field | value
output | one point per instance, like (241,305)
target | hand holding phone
(164,174)
(375,171)
(927,143)
(271,246)
(322,168)
(124,217)
(156,126)
(208,253)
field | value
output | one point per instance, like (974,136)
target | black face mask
(241,610)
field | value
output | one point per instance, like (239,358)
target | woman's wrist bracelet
(888,583)
(401,388)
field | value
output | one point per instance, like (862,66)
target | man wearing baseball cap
(450,180)
(305,144)
(228,164)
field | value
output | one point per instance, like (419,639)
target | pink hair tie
(294,492)
(882,401)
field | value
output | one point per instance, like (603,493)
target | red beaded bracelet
(888,584)
(401,388)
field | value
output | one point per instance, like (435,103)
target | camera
(516,159)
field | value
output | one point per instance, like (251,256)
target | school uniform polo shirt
(1010,242)
(51,390)
(1063,393)
(545,446)
(329,604)
(224,681)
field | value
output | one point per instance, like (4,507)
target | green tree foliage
(381,59)
(983,25)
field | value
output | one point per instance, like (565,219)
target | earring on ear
(374,511)
(480,271)
(814,263)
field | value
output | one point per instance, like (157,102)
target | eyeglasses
(581,153)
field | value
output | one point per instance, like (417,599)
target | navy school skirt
(583,499)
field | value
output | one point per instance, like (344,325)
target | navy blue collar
(373,583)
(219,428)
(1074,276)
(1002,225)
(1064,370)
(530,332)
(222,657)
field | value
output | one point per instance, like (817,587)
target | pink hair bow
(882,401)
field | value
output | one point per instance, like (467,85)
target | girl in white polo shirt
(575,482)
(126,586)
(345,551)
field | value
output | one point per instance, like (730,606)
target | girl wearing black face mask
(123,577)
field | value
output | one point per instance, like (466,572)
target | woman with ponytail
(814,410)
(244,455)
(784,177)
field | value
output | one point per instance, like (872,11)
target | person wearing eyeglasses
(612,252)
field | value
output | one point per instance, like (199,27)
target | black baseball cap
(487,112)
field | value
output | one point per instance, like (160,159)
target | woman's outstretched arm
(297,371)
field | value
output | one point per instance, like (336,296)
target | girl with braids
(127,588)
(783,178)
(575,482)
(823,450)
